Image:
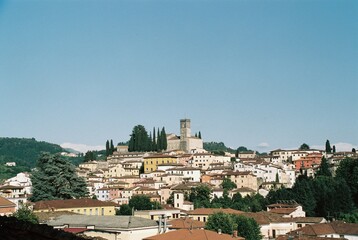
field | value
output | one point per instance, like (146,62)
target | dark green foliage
(324,168)
(328,147)
(90,156)
(303,194)
(200,196)
(199,135)
(142,202)
(107,149)
(254,203)
(24,213)
(55,178)
(217,146)
(324,195)
(247,227)
(124,209)
(139,140)
(350,217)
(304,146)
(280,194)
(348,170)
(334,149)
(353,150)
(227,223)
(332,196)
(24,152)
(9,172)
(111,148)
(154,145)
(227,184)
(221,221)
(164,137)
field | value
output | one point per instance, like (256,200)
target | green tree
(107,148)
(142,202)
(328,147)
(139,140)
(348,170)
(155,147)
(24,213)
(199,135)
(89,156)
(164,142)
(353,150)
(222,221)
(227,184)
(247,227)
(200,196)
(55,178)
(304,146)
(124,209)
(111,148)
(303,194)
(159,141)
(324,168)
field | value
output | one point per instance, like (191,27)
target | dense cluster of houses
(173,174)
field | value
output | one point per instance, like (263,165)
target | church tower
(185,134)
(185,128)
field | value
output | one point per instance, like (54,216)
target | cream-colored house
(85,206)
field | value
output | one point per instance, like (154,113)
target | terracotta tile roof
(6,203)
(71,203)
(264,218)
(195,234)
(283,210)
(329,228)
(209,211)
(309,219)
(286,237)
(186,223)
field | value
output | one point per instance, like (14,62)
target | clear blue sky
(275,73)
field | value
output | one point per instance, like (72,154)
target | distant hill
(217,147)
(25,151)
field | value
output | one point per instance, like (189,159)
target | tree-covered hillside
(24,152)
(217,147)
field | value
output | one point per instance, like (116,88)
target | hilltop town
(180,186)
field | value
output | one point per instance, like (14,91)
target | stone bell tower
(185,134)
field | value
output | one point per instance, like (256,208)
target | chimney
(160,224)
(165,223)
(234,234)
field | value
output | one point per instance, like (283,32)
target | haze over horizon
(259,74)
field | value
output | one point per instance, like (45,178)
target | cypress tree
(328,147)
(154,140)
(112,147)
(164,139)
(199,136)
(334,149)
(159,141)
(107,148)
